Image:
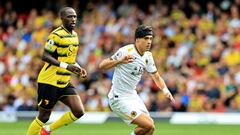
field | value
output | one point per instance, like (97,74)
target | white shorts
(128,108)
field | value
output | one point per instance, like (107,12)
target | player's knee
(150,127)
(78,113)
(44,118)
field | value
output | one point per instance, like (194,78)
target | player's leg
(145,125)
(46,101)
(38,122)
(73,101)
(75,104)
(76,112)
(133,111)
(35,127)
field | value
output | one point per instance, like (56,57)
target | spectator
(196,46)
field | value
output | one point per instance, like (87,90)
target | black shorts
(48,95)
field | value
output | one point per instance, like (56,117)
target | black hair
(63,10)
(143,30)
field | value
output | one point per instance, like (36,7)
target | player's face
(146,43)
(69,19)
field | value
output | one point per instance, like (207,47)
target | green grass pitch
(120,128)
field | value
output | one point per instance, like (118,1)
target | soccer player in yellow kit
(60,53)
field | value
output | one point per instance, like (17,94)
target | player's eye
(72,16)
(147,38)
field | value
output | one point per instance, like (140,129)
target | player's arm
(47,57)
(109,63)
(49,50)
(120,57)
(161,85)
(83,72)
(151,68)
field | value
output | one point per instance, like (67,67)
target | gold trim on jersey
(59,28)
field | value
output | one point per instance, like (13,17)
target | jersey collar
(137,50)
(66,30)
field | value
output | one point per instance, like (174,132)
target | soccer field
(120,128)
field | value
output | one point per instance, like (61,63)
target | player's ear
(136,40)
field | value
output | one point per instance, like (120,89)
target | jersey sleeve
(118,55)
(150,64)
(52,43)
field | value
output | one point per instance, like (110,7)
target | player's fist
(76,69)
(83,73)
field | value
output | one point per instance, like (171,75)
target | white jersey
(127,76)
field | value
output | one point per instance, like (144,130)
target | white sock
(132,133)
(47,128)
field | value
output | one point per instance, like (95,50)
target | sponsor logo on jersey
(130,49)
(146,61)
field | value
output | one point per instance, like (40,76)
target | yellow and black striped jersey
(63,46)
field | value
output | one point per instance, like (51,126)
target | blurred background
(196,50)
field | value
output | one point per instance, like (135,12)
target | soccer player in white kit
(130,62)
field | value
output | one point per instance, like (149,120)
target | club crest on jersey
(46,102)
(133,113)
(146,61)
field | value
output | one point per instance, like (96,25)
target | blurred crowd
(196,49)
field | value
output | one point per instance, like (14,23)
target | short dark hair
(63,10)
(143,30)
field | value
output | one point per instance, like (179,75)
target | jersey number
(137,71)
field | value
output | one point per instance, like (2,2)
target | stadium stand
(197,47)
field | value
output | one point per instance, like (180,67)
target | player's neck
(67,29)
(138,50)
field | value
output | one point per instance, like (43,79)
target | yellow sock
(35,127)
(67,118)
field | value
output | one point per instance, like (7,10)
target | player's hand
(83,73)
(168,95)
(127,59)
(76,70)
